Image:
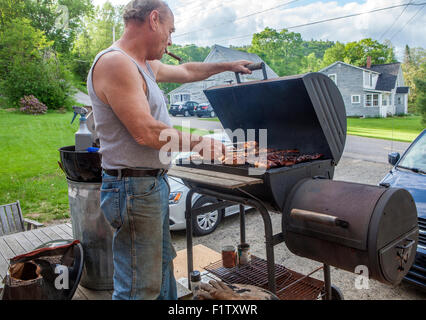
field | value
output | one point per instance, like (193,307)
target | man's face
(165,30)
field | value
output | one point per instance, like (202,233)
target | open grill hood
(304,112)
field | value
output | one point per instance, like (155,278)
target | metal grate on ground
(290,285)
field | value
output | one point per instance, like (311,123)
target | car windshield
(415,158)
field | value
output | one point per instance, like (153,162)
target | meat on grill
(249,153)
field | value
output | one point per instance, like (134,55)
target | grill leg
(189,251)
(327,281)
(269,248)
(242,224)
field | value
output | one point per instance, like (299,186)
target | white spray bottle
(83,137)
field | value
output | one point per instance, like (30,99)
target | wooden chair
(12,220)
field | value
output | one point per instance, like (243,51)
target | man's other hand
(240,66)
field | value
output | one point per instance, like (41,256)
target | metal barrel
(94,232)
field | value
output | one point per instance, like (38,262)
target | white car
(203,224)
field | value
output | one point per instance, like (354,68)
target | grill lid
(304,112)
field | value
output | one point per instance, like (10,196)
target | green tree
(96,35)
(356,53)
(29,66)
(421,97)
(333,54)
(60,20)
(310,63)
(318,47)
(9,10)
(414,58)
(282,51)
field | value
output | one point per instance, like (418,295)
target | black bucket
(81,166)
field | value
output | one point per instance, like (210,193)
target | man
(131,121)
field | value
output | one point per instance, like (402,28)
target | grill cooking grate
(290,285)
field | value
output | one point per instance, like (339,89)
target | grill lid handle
(318,218)
(253,67)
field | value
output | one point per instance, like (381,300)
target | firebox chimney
(368,62)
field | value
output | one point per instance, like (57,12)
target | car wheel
(204,224)
(173,114)
(212,114)
(186,114)
(199,115)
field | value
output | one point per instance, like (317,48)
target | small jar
(244,256)
(195,283)
(229,257)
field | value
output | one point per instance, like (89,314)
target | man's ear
(154,20)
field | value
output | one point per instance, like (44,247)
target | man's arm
(195,71)
(118,82)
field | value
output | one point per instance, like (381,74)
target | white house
(371,91)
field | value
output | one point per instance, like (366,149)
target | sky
(226,22)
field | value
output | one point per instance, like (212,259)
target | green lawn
(30,172)
(404,129)
(396,128)
(195,131)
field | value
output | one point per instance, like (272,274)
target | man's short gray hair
(139,10)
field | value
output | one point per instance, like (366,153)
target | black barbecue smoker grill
(336,223)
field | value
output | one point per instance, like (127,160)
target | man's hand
(240,66)
(217,291)
(196,71)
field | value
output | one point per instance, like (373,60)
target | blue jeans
(138,210)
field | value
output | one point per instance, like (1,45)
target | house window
(181,97)
(368,79)
(356,99)
(333,77)
(372,100)
(399,100)
(385,100)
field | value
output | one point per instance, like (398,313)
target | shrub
(31,105)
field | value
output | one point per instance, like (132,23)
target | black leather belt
(136,173)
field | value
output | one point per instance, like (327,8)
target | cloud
(210,24)
(221,22)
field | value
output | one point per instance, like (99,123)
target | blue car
(409,172)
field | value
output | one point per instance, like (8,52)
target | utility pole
(113,34)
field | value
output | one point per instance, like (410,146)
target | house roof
(223,54)
(346,64)
(403,90)
(388,75)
